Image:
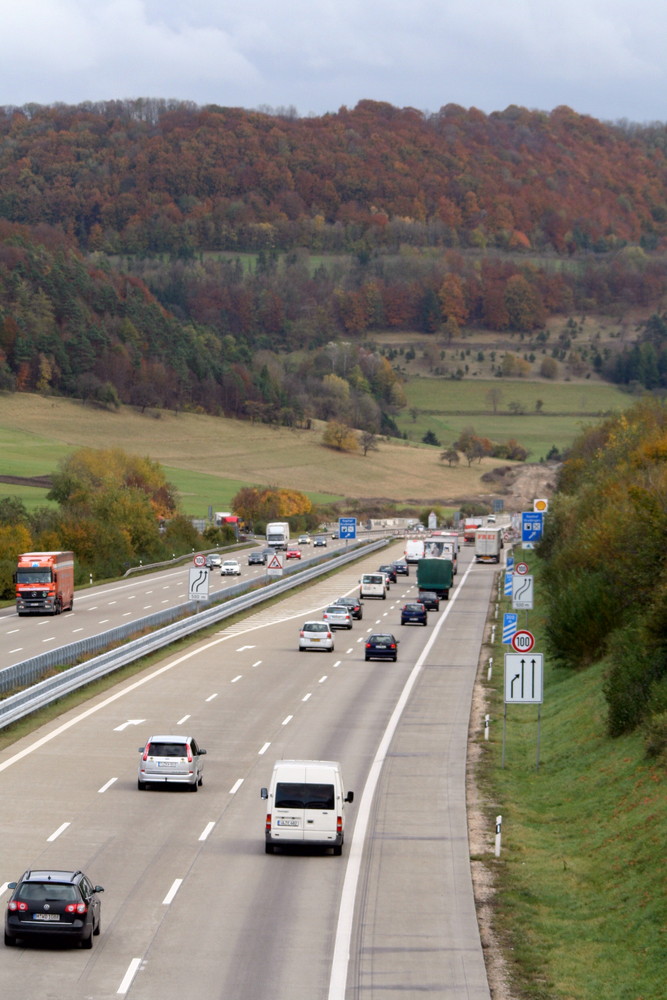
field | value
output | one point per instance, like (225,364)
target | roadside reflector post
(496,614)
(499,827)
(91,579)
(487,720)
(490,670)
(493,634)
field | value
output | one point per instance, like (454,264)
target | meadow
(208,459)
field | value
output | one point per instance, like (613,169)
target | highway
(193,907)
(101,608)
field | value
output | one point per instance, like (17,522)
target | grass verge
(580,904)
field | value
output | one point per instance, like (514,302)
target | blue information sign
(532,523)
(347,527)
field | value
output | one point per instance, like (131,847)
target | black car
(256,558)
(401,568)
(320,542)
(354,604)
(429,599)
(414,614)
(60,904)
(390,572)
(381,646)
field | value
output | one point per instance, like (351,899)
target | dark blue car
(414,614)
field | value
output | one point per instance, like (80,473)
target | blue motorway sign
(347,527)
(532,525)
(510,625)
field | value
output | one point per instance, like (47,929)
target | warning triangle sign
(274,563)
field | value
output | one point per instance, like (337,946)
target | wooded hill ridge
(161,254)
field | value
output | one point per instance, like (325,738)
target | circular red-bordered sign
(521,568)
(523,641)
(200,560)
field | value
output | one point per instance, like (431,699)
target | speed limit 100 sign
(523,641)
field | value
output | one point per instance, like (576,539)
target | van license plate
(287,822)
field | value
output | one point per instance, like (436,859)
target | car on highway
(293,553)
(213,561)
(401,567)
(303,540)
(414,613)
(389,572)
(320,542)
(175,760)
(53,903)
(491,519)
(381,646)
(316,635)
(337,616)
(429,599)
(230,567)
(256,558)
(355,606)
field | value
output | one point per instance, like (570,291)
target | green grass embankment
(581,904)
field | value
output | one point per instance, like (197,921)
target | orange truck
(44,583)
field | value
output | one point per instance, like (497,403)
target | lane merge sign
(522,641)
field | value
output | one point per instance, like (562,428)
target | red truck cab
(44,583)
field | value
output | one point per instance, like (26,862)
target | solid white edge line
(175,886)
(341,953)
(132,970)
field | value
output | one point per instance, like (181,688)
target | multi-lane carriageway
(193,907)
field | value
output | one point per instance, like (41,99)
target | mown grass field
(581,900)
(554,412)
(209,458)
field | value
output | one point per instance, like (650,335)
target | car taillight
(368,645)
(189,754)
(17,904)
(301,634)
(146,749)
(392,645)
(329,635)
(76,908)
(339,824)
(268,823)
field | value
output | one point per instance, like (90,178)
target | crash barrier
(159,634)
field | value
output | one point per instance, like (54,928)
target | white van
(373,585)
(414,550)
(306,805)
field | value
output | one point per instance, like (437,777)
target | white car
(303,540)
(230,567)
(316,635)
(337,616)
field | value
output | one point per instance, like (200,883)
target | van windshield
(299,795)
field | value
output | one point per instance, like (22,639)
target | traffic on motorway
(167,857)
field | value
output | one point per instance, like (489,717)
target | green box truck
(436,575)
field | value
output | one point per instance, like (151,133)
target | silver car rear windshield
(167,750)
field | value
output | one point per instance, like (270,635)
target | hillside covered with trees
(161,254)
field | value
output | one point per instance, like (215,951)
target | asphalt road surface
(193,907)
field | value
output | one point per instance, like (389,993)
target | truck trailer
(277,534)
(436,575)
(488,544)
(44,583)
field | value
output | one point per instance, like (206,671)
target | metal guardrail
(43,692)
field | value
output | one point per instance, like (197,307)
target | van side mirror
(349,797)
(264,792)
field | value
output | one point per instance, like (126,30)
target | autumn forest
(161,254)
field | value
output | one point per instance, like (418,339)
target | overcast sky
(606,58)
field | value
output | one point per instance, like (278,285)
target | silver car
(230,567)
(167,760)
(316,635)
(337,616)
